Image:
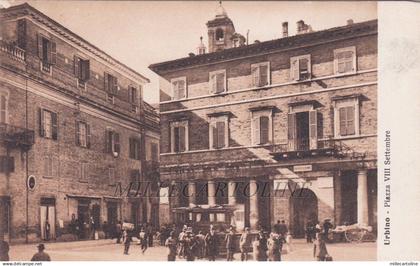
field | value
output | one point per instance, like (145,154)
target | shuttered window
(179,89)
(83,134)
(110,84)
(179,138)
(219,135)
(218,81)
(300,68)
(264,129)
(81,69)
(260,74)
(3,108)
(112,142)
(47,52)
(347,120)
(345,60)
(48,124)
(50,166)
(134,148)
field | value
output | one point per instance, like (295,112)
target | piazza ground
(107,250)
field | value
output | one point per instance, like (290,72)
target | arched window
(219,34)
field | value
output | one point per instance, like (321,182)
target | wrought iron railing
(16,136)
(12,51)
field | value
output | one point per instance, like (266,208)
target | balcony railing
(16,136)
(12,51)
(301,148)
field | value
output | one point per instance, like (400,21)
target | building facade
(280,130)
(72,119)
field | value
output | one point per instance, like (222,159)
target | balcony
(16,137)
(302,149)
(12,51)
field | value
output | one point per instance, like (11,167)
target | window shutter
(263,75)
(303,69)
(294,71)
(108,141)
(181,89)
(86,70)
(350,120)
(53,53)
(154,151)
(87,136)
(256,130)
(130,147)
(255,76)
(220,134)
(3,109)
(77,133)
(343,121)
(54,125)
(182,142)
(220,82)
(291,131)
(176,139)
(214,135)
(313,132)
(213,83)
(114,85)
(264,129)
(76,64)
(41,122)
(175,90)
(21,34)
(130,96)
(117,142)
(106,82)
(40,50)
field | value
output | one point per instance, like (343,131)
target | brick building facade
(73,118)
(296,114)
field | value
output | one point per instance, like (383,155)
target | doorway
(303,208)
(5,217)
(112,212)
(47,218)
(83,217)
(302,131)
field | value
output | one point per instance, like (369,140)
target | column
(191,192)
(211,193)
(253,204)
(231,193)
(362,198)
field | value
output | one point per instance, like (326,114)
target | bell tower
(220,31)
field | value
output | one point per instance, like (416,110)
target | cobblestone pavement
(107,250)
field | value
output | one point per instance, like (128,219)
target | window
(300,67)
(50,166)
(81,71)
(346,117)
(345,60)
(3,108)
(219,132)
(261,126)
(84,172)
(179,88)
(133,98)
(111,87)
(134,144)
(154,149)
(260,74)
(302,127)
(220,35)
(179,136)
(82,134)
(48,124)
(47,53)
(217,81)
(112,142)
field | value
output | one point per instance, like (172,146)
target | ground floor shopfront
(51,217)
(345,192)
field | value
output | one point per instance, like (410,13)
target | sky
(140,33)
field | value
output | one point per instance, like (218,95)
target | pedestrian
(172,245)
(181,240)
(118,231)
(262,247)
(41,255)
(201,245)
(47,230)
(190,246)
(244,244)
(230,245)
(320,248)
(4,248)
(211,244)
(73,225)
(274,245)
(127,241)
(105,228)
(277,227)
(143,240)
(327,226)
(150,233)
(283,229)
(308,231)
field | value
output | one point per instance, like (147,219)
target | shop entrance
(47,218)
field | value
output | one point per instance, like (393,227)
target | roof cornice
(25,10)
(256,49)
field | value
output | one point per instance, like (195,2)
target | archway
(303,208)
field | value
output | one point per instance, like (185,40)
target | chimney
(300,26)
(191,54)
(285,26)
(350,21)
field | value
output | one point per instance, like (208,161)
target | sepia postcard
(241,131)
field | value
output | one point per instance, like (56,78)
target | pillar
(362,198)
(191,192)
(231,193)
(211,193)
(253,204)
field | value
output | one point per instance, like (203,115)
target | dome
(220,11)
